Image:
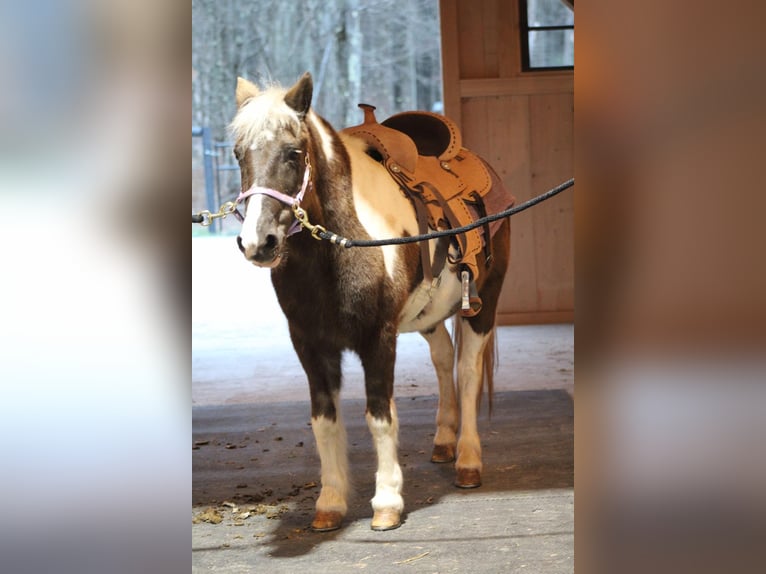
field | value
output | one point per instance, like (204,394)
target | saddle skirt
(448,185)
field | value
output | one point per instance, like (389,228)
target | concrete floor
(255,468)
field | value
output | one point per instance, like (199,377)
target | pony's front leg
(330,436)
(387,503)
(470,374)
(378,362)
(323,368)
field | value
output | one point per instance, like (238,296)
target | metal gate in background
(213,166)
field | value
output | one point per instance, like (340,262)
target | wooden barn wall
(522,123)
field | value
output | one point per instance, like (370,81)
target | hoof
(386,520)
(324,521)
(443,453)
(468,478)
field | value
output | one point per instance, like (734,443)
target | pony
(357,299)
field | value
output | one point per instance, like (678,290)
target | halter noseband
(294,202)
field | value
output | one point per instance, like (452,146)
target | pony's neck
(331,202)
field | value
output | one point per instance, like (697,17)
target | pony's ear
(245,91)
(299,96)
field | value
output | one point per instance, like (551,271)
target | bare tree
(383,52)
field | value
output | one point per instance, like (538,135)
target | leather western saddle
(446,183)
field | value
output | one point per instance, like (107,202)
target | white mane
(260,118)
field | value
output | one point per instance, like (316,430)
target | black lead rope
(345,242)
(320,233)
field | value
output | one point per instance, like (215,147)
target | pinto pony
(337,298)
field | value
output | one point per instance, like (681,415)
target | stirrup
(470,304)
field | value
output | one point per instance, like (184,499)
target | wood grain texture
(557,83)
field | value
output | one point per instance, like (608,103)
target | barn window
(547,34)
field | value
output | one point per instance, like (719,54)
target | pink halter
(283,197)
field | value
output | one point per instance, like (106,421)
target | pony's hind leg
(474,338)
(378,361)
(470,380)
(443,358)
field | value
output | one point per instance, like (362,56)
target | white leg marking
(469,373)
(443,356)
(331,443)
(388,479)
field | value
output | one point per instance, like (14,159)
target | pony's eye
(236,153)
(294,154)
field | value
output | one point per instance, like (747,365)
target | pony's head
(271,144)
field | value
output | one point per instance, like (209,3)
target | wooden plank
(524,85)
(499,152)
(552,163)
(450,59)
(470,32)
(489,37)
(474,113)
(510,154)
(508,50)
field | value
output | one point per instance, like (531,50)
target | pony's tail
(488,363)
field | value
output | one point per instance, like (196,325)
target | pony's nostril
(239,243)
(271,241)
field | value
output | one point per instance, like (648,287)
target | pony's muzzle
(262,235)
(264,252)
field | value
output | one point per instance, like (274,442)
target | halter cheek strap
(283,197)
